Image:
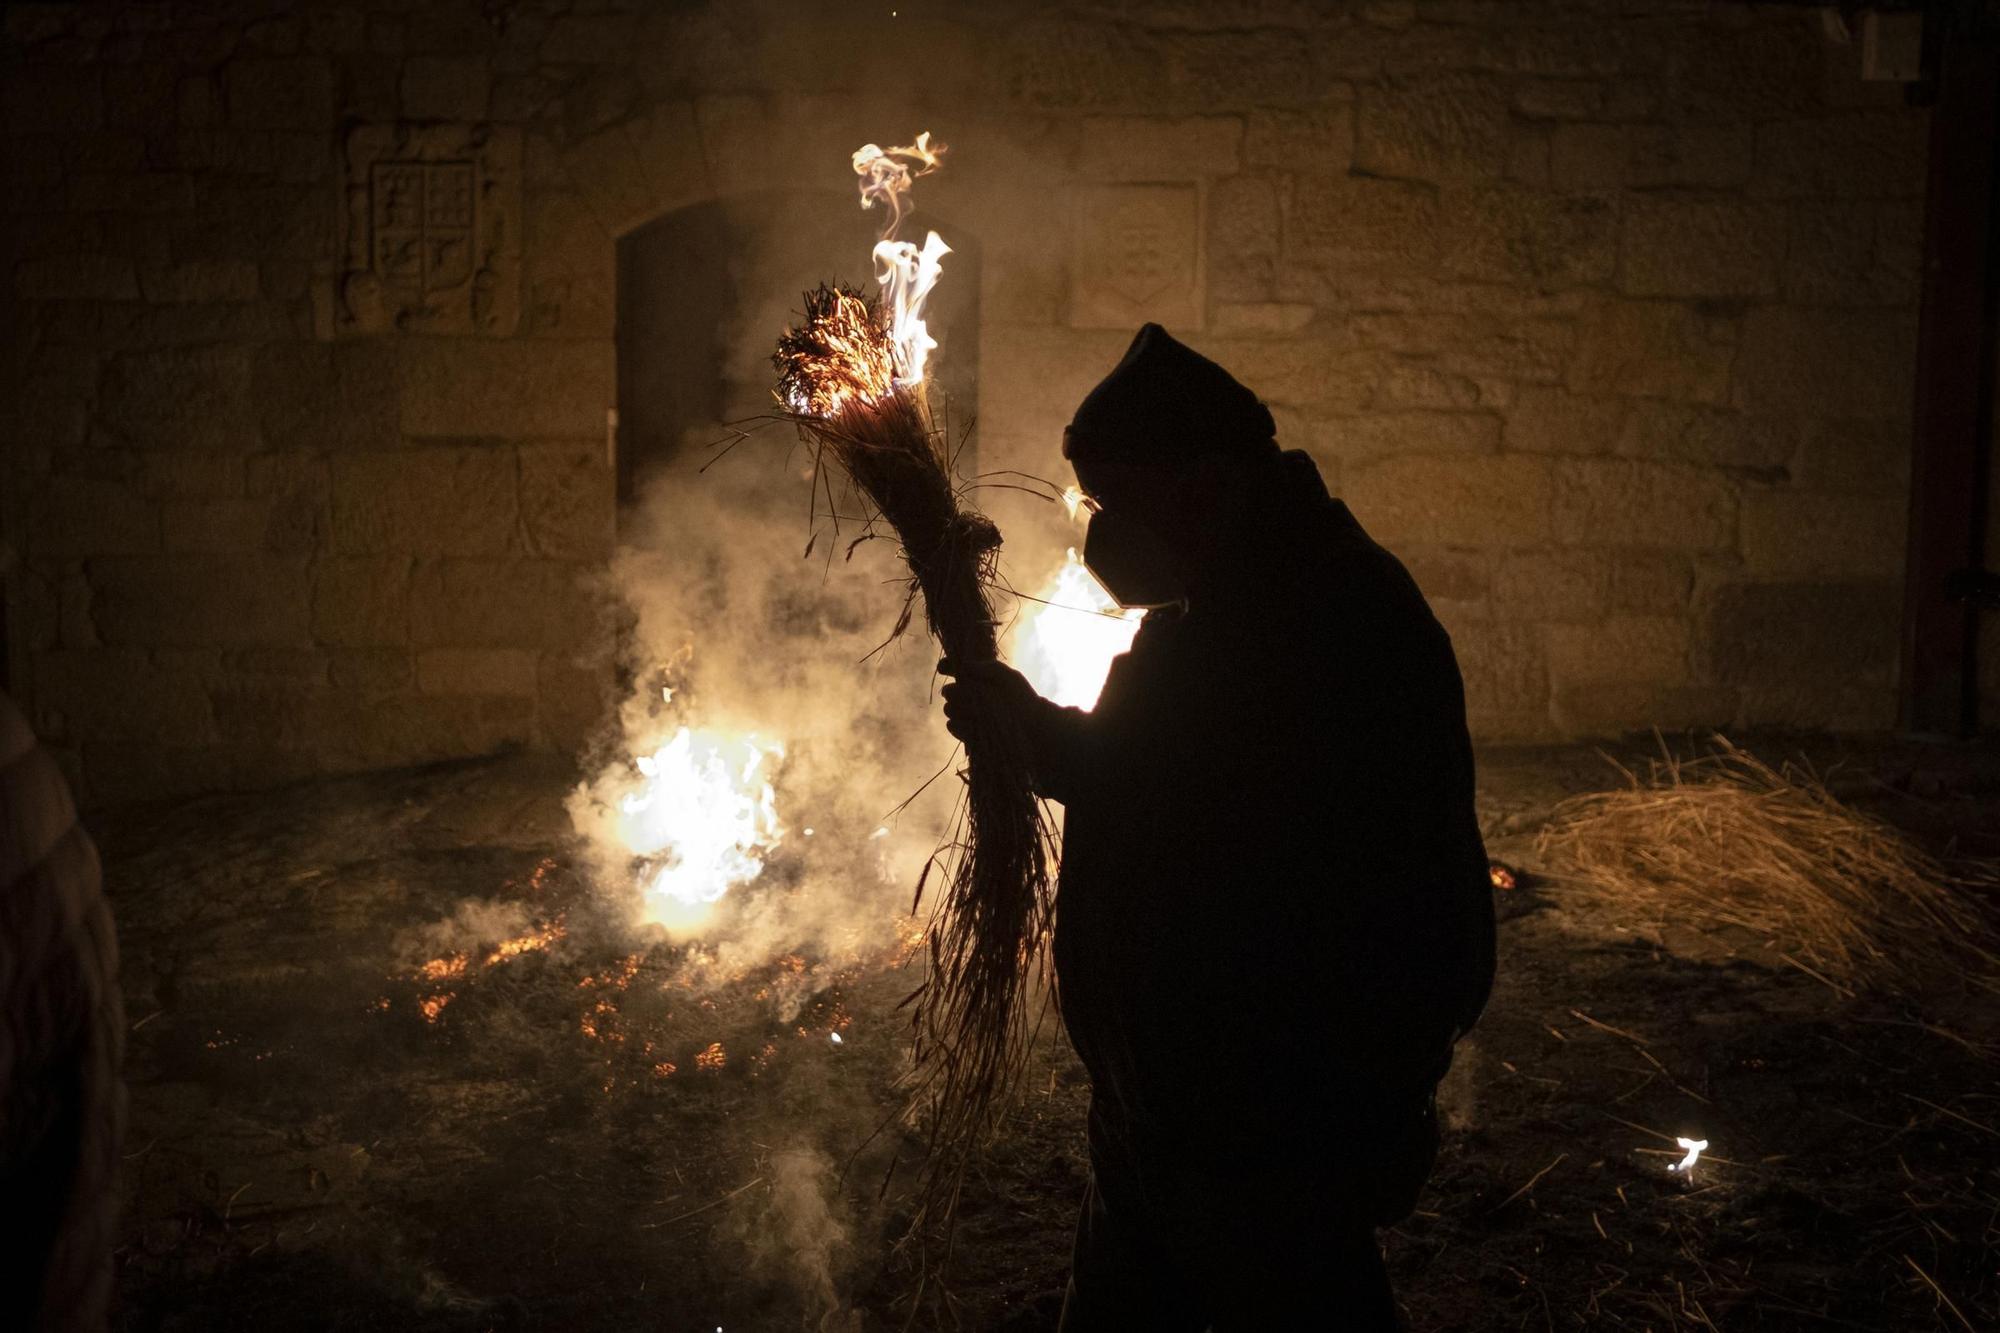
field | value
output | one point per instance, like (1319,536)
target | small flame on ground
(1695,1148)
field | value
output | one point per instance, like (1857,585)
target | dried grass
(975,1013)
(1725,839)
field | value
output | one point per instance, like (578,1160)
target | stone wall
(1599,314)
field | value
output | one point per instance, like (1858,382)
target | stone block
(1654,349)
(370,671)
(201,601)
(1505,673)
(1544,420)
(1317,142)
(295,381)
(1277,318)
(1791,634)
(287,94)
(439,500)
(216,527)
(1616,708)
(1448,576)
(1703,155)
(1699,247)
(1303,372)
(1243,219)
(132,192)
(588,39)
(510,390)
(1829,706)
(123,694)
(1858,155)
(1348,222)
(1622,650)
(1856,455)
(1826,363)
(567,501)
(180,398)
(1715,436)
(1482,500)
(1375,434)
(1159,148)
(573,701)
(1053,61)
(1647,583)
(1625,502)
(1546,241)
(1413,383)
(502,671)
(1835,256)
(84,516)
(203,280)
(1257,67)
(1136,257)
(1549,587)
(446,87)
(1588,157)
(78,277)
(1802,535)
(361,602)
(1432,127)
(51,99)
(190,476)
(1731,72)
(515,603)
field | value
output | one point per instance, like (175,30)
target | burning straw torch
(851,377)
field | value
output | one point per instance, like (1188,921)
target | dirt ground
(580,1136)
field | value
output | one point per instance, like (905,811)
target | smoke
(793,1232)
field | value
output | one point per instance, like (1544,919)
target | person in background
(62,1033)
(1274,916)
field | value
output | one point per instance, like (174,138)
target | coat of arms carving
(432,239)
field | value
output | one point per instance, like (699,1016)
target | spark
(1695,1148)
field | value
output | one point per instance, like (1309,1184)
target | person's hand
(985,698)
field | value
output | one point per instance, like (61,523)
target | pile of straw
(989,928)
(1726,839)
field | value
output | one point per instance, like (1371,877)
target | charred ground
(307,1149)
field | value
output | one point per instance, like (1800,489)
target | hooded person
(1274,917)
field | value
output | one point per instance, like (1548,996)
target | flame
(535,940)
(863,351)
(906,275)
(700,815)
(1695,1148)
(1064,642)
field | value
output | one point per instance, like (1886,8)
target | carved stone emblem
(1136,257)
(432,232)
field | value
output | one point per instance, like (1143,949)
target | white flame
(907,275)
(702,817)
(1695,1148)
(1064,643)
(905,271)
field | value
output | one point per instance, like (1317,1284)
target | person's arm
(1060,740)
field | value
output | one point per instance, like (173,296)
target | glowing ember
(710,1057)
(443,969)
(1695,1148)
(1064,642)
(1502,877)
(534,941)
